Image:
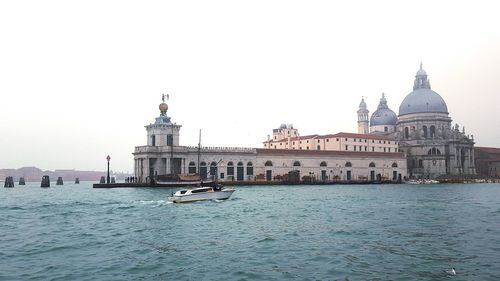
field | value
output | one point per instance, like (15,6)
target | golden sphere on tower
(163,106)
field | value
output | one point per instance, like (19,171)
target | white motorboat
(200,193)
(422,181)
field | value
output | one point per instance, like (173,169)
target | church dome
(383,115)
(422,99)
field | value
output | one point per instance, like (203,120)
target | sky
(79,80)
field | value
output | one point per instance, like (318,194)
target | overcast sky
(80,79)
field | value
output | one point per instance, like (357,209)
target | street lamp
(107,178)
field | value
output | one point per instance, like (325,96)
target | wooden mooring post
(77,180)
(45,181)
(103,180)
(59,181)
(9,182)
(22,181)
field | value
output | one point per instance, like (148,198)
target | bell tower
(363,118)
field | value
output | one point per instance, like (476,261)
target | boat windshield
(201,190)
(183,191)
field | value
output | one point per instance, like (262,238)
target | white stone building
(365,157)
(423,130)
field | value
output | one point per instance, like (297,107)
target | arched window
(213,168)
(348,164)
(250,169)
(372,164)
(407,133)
(296,164)
(268,163)
(323,164)
(192,168)
(433,131)
(434,151)
(240,163)
(230,168)
(203,164)
(394,165)
(424,128)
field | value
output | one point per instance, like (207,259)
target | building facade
(338,157)
(433,147)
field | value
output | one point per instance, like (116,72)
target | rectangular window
(354,148)
(170,140)
(327,140)
(373,149)
(384,149)
(345,139)
(366,148)
(221,175)
(319,148)
(249,170)
(337,139)
(346,147)
(308,148)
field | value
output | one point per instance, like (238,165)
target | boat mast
(199,152)
(172,150)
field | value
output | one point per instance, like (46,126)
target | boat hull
(215,195)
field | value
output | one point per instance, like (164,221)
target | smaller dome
(163,107)
(283,126)
(383,115)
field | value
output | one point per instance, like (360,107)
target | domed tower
(363,117)
(163,132)
(383,120)
(424,133)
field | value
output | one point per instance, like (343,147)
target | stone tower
(363,126)
(163,132)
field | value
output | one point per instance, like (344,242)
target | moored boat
(422,181)
(201,193)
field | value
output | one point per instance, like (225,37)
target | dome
(422,99)
(383,115)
